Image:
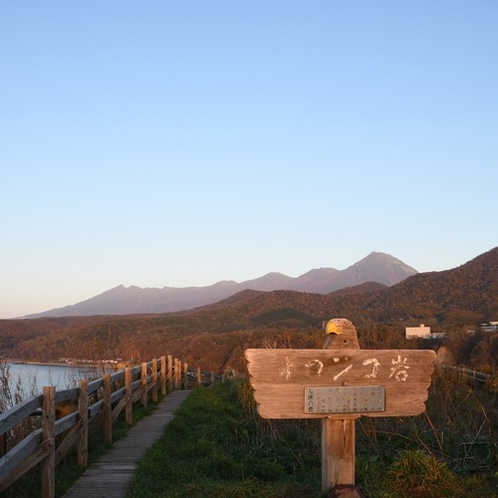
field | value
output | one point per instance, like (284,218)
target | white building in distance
(421,332)
(489,327)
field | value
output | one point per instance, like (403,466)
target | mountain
(216,335)
(376,267)
(463,296)
(466,294)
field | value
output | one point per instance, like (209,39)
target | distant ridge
(376,267)
(450,301)
(466,295)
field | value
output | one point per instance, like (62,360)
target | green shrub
(417,473)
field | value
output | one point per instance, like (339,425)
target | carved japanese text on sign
(280,377)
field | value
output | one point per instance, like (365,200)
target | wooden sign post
(339,385)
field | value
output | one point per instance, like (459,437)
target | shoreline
(17,361)
(69,364)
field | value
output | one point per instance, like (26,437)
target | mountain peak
(376,267)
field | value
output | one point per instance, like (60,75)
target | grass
(218,446)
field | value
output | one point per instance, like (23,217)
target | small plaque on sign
(352,399)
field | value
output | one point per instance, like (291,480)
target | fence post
(199,376)
(48,438)
(154,380)
(170,373)
(212,378)
(3,443)
(175,373)
(128,394)
(163,375)
(106,382)
(185,376)
(178,373)
(143,384)
(83,415)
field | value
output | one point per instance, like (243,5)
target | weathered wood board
(280,377)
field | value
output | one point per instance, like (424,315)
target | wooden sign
(338,384)
(289,383)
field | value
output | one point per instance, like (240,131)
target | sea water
(33,377)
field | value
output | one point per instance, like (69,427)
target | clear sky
(173,143)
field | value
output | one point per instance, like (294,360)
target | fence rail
(53,423)
(470,375)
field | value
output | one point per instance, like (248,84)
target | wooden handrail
(470,374)
(99,401)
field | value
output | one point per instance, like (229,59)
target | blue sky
(182,143)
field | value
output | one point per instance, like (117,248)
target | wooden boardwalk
(111,475)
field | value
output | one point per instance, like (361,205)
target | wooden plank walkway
(111,475)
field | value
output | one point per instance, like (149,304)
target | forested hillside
(465,295)
(214,337)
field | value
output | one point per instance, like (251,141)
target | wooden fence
(472,376)
(85,408)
